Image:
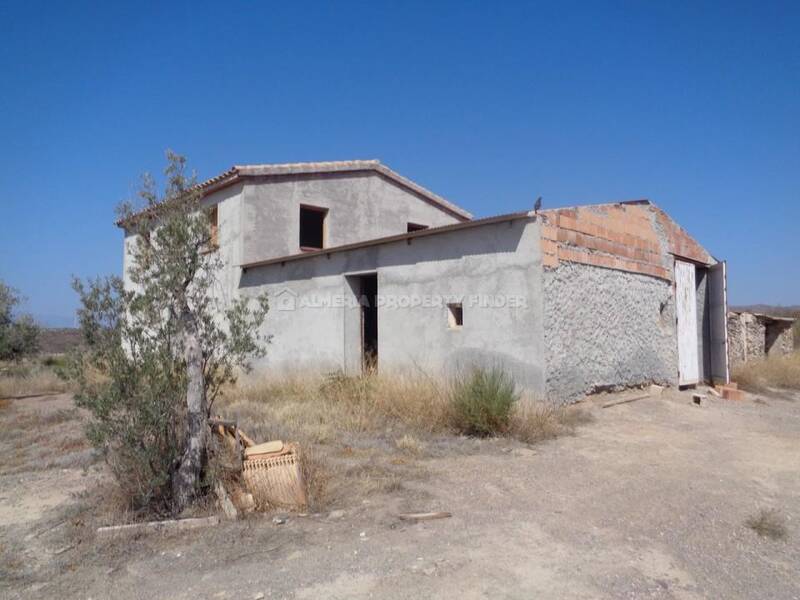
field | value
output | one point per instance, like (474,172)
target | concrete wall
(609,298)
(606,329)
(361,206)
(779,338)
(475,265)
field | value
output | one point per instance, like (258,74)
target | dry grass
(346,426)
(768,522)
(365,435)
(27,379)
(533,422)
(772,372)
(42,439)
(410,445)
(326,409)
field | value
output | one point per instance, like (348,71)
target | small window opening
(312,227)
(455,315)
(415,227)
(213,220)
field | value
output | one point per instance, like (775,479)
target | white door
(686,303)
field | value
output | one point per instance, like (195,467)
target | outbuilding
(755,336)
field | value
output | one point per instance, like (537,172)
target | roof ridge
(316,163)
(598,204)
(336,166)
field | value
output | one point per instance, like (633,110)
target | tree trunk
(186,482)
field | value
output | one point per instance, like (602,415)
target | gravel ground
(649,501)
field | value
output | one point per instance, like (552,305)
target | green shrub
(482,402)
(19,335)
(54,361)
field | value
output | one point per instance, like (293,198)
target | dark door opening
(368,299)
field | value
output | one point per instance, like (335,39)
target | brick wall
(636,237)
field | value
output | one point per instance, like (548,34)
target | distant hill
(770,309)
(57,340)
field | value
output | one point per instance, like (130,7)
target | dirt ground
(648,501)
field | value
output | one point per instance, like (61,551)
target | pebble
(524,452)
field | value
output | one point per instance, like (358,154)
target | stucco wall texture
(606,329)
(361,206)
(609,304)
(482,267)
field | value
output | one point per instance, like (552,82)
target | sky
(693,105)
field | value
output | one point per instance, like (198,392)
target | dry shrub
(533,421)
(774,371)
(318,473)
(410,445)
(768,522)
(109,505)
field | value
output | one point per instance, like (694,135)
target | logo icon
(286,299)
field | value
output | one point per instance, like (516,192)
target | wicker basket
(276,480)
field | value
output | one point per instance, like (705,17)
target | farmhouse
(367,269)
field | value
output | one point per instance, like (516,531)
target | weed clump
(768,522)
(483,401)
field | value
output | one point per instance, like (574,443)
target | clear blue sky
(695,106)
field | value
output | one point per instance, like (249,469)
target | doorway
(368,301)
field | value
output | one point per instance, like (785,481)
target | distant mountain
(771,309)
(59,340)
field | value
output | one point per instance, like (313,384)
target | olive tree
(164,348)
(19,335)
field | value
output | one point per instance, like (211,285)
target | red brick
(549,261)
(549,247)
(549,232)
(729,393)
